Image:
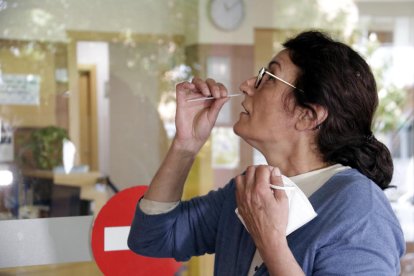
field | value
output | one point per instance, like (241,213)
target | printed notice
(6,142)
(18,89)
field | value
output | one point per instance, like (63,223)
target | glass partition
(87,94)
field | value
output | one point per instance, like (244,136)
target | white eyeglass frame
(263,71)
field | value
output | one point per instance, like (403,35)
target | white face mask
(300,209)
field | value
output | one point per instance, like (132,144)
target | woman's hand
(264,211)
(195,120)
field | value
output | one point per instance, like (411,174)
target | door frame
(94,154)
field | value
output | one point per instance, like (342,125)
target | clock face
(227,14)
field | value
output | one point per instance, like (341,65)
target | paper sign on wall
(19,89)
(6,142)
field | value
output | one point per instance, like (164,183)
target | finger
(262,181)
(223,90)
(276,179)
(222,98)
(201,86)
(183,88)
(214,88)
(240,185)
(262,176)
(250,177)
(218,90)
(248,183)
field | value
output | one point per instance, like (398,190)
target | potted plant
(46,145)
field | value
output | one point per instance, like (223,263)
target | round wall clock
(226,15)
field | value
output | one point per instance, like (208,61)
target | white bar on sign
(116,238)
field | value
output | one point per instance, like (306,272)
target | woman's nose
(247,86)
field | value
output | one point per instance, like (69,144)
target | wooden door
(88,147)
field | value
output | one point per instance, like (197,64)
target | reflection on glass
(225,148)
(103,77)
(167,103)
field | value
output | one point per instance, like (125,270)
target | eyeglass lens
(259,77)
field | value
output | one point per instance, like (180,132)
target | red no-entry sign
(109,239)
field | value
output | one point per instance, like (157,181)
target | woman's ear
(311,118)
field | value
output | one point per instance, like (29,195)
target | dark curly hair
(338,78)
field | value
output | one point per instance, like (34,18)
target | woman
(310,114)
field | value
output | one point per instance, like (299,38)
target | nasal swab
(212,98)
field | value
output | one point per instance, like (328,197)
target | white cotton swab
(285,188)
(212,98)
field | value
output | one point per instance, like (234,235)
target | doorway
(88,146)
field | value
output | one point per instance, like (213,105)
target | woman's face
(269,113)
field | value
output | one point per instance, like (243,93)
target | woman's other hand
(265,213)
(264,210)
(195,120)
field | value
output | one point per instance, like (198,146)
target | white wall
(396,17)
(298,14)
(96,53)
(404,30)
(393,8)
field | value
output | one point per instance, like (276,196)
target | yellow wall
(35,60)
(199,182)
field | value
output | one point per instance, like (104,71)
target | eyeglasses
(261,74)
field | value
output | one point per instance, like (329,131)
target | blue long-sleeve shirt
(355,232)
